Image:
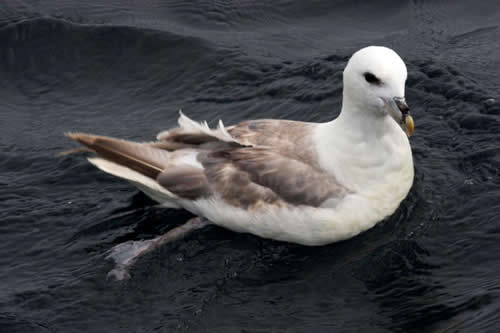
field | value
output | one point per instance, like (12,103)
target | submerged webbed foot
(126,254)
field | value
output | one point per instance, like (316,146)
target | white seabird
(300,182)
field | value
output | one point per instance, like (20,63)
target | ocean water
(125,68)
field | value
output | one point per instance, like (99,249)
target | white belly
(300,224)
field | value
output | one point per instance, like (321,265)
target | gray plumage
(267,162)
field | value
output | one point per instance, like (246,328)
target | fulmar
(301,182)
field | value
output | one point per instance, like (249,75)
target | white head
(374,83)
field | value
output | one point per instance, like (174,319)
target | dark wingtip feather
(132,155)
(85,139)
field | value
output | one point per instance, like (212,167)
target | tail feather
(139,157)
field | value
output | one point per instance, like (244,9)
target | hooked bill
(409,125)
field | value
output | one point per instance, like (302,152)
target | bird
(299,182)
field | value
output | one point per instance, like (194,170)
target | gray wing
(248,177)
(293,138)
(253,163)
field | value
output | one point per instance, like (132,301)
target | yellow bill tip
(409,125)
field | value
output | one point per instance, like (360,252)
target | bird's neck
(362,148)
(361,121)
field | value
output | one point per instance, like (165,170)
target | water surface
(125,68)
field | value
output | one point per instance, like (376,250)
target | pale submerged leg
(126,254)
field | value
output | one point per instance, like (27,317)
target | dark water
(124,68)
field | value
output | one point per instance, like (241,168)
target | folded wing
(256,163)
(249,177)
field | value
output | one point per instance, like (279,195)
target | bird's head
(374,82)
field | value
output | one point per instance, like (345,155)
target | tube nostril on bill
(401,104)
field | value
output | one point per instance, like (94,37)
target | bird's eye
(372,79)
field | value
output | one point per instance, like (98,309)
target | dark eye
(372,79)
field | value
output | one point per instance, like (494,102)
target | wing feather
(246,165)
(250,176)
